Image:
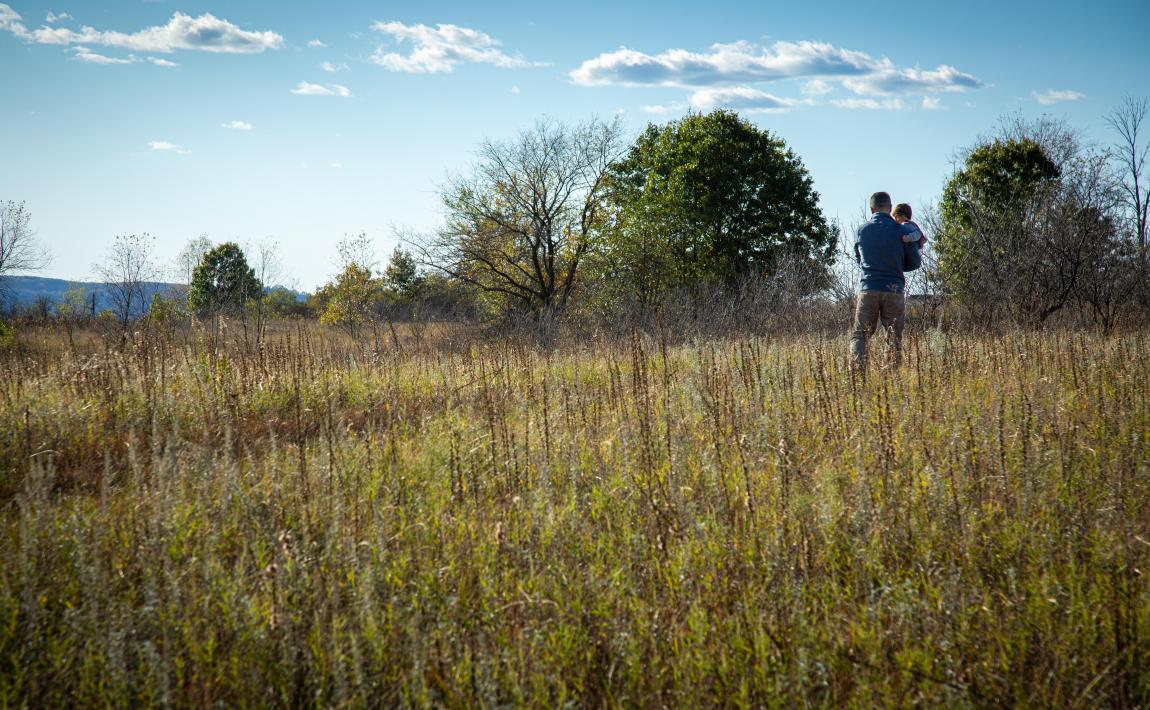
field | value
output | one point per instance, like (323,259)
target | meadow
(646,520)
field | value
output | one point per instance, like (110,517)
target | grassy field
(733,522)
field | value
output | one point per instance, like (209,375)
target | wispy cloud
(741,98)
(237,125)
(441,48)
(308,89)
(165,146)
(870,104)
(817,87)
(316,43)
(333,68)
(931,103)
(1053,96)
(206,33)
(57,17)
(84,54)
(663,109)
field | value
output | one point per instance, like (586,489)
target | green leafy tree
(284,303)
(985,207)
(711,198)
(223,282)
(401,277)
(165,313)
(350,300)
(1029,224)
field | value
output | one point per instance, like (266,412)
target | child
(901,214)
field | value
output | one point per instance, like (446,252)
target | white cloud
(742,98)
(739,62)
(890,81)
(168,147)
(237,125)
(333,68)
(308,89)
(206,33)
(57,17)
(931,103)
(870,104)
(726,74)
(817,87)
(440,48)
(1052,96)
(316,43)
(162,62)
(514,89)
(86,55)
(337,166)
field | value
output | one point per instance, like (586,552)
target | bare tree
(268,268)
(1131,152)
(191,256)
(129,265)
(19,248)
(520,223)
(357,249)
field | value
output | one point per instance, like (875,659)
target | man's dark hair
(902,209)
(880,200)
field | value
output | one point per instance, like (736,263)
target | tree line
(571,222)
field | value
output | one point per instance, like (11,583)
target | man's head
(902,213)
(880,202)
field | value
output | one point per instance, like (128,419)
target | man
(884,257)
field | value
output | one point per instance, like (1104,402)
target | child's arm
(912,233)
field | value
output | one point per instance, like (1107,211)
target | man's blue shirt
(883,255)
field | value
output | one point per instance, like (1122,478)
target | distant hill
(22,291)
(18,292)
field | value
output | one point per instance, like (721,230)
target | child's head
(901,213)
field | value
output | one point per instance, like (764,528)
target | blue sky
(302,122)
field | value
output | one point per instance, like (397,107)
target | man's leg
(866,318)
(893,314)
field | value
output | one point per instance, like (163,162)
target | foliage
(349,300)
(1029,224)
(710,199)
(223,282)
(283,302)
(401,277)
(164,313)
(992,192)
(74,305)
(735,522)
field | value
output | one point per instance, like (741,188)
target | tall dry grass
(738,521)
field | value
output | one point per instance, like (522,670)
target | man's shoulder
(877,224)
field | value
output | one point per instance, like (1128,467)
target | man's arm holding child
(911,256)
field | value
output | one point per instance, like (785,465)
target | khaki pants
(872,307)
